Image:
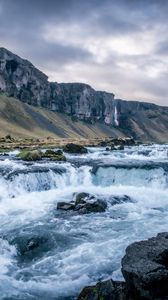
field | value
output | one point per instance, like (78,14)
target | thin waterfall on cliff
(116,116)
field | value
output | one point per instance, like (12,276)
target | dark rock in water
(54,155)
(81,198)
(105,290)
(84,203)
(117,143)
(51,152)
(145,268)
(103,144)
(31,246)
(30,155)
(74,148)
(65,205)
(5,154)
(95,206)
(119,199)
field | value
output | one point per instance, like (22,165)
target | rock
(129,142)
(54,155)
(58,158)
(145,268)
(119,199)
(31,247)
(84,203)
(50,152)
(117,143)
(30,155)
(76,149)
(105,290)
(103,144)
(96,206)
(8,137)
(81,198)
(65,205)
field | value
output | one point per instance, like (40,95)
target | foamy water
(78,250)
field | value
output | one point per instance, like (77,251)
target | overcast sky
(119,46)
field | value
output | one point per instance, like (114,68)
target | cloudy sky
(114,45)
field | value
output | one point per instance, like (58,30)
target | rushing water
(77,250)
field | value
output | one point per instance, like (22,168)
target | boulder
(76,149)
(145,268)
(30,155)
(123,141)
(96,206)
(103,144)
(65,205)
(84,203)
(31,247)
(54,155)
(129,141)
(50,152)
(81,198)
(105,290)
(118,143)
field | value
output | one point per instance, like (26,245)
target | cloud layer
(114,45)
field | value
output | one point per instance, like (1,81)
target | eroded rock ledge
(145,270)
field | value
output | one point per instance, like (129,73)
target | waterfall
(116,117)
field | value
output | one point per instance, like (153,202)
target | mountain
(23,120)
(77,103)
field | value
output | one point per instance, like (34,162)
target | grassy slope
(151,125)
(23,120)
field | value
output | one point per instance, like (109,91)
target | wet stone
(31,247)
(105,290)
(76,149)
(84,203)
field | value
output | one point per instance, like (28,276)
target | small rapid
(75,250)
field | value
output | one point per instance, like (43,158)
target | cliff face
(21,80)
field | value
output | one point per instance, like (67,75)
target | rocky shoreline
(145,270)
(9,143)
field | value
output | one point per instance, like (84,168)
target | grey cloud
(162,48)
(58,55)
(22,24)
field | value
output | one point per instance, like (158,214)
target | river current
(76,250)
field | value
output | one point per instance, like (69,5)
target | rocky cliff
(21,80)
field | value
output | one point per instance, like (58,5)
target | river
(73,250)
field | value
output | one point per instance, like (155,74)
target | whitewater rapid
(77,250)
